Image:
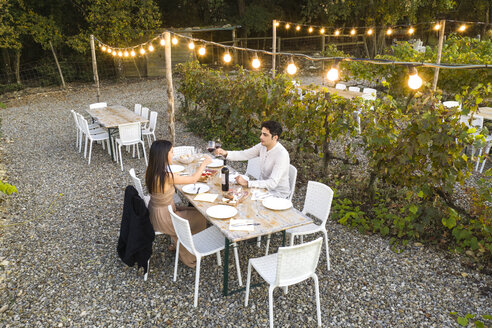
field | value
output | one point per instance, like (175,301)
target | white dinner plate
(216,163)
(176,168)
(195,188)
(276,203)
(234,175)
(221,211)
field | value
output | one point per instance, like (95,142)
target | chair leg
(327,249)
(291,241)
(176,262)
(219,259)
(109,149)
(258,242)
(145,154)
(197,280)
(270,304)
(238,268)
(148,269)
(121,157)
(318,306)
(248,281)
(138,150)
(90,153)
(85,148)
(268,244)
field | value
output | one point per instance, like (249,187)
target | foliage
(465,321)
(10,87)
(7,188)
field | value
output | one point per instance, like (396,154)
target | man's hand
(240,180)
(221,152)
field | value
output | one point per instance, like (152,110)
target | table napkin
(204,197)
(241,225)
(259,195)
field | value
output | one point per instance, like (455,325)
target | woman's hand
(207,160)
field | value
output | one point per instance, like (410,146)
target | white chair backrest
(292,180)
(318,200)
(98,105)
(340,86)
(145,113)
(183,150)
(451,104)
(130,132)
(83,124)
(368,96)
(355,89)
(153,120)
(75,118)
(254,168)
(477,121)
(370,91)
(138,109)
(183,231)
(297,263)
(137,183)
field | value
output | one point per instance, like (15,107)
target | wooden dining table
(268,221)
(112,116)
(485,112)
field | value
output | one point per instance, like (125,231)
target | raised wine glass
(211,146)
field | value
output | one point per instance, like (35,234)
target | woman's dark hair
(274,127)
(158,168)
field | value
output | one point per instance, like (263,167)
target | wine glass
(218,145)
(211,147)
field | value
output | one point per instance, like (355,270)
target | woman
(160,183)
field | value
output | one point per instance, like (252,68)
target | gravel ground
(59,266)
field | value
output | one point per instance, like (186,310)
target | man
(274,161)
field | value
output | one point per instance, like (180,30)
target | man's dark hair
(274,127)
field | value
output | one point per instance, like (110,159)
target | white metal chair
(291,265)
(485,151)
(253,169)
(138,185)
(207,242)
(292,184)
(91,136)
(340,86)
(130,134)
(354,89)
(369,94)
(183,150)
(98,105)
(317,203)
(451,104)
(150,131)
(138,109)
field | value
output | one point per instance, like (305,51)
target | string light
(310,30)
(174,40)
(163,42)
(411,30)
(353,31)
(389,31)
(132,53)
(322,31)
(337,32)
(287,26)
(120,54)
(114,53)
(191,45)
(103,48)
(462,28)
(126,53)
(142,51)
(291,68)
(333,74)
(227,57)
(109,50)
(256,62)
(437,27)
(414,80)
(298,27)
(201,51)
(369,31)
(277,23)
(151,48)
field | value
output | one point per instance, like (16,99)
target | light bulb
(389,31)
(332,74)
(414,80)
(322,31)
(437,27)
(369,31)
(411,30)
(256,63)
(114,53)
(191,45)
(337,32)
(298,28)
(126,53)
(292,69)
(109,50)
(151,48)
(201,51)
(132,53)
(352,32)
(163,42)
(287,26)
(120,54)
(103,48)
(174,41)
(310,30)
(462,28)
(142,51)
(227,58)
(277,23)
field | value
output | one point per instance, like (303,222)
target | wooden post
(58,65)
(94,67)
(234,44)
(439,52)
(274,46)
(322,43)
(170,91)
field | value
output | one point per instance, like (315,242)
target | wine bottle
(225,178)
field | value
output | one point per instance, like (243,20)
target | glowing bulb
(109,50)
(310,30)
(103,48)
(256,63)
(120,54)
(411,30)
(322,31)
(142,51)
(201,51)
(389,31)
(174,41)
(298,28)
(132,53)
(437,27)
(332,74)
(163,42)
(462,28)
(292,69)
(369,31)
(191,45)
(414,80)
(352,32)
(114,53)
(125,54)
(337,32)
(151,48)
(227,58)
(287,26)
(277,23)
